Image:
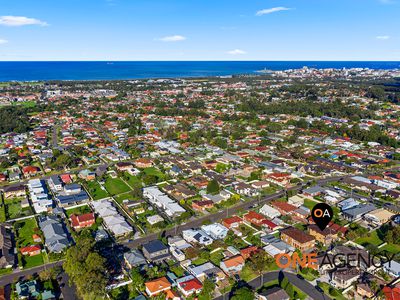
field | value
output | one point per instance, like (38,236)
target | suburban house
(248,251)
(155,251)
(189,285)
(7,257)
(55,233)
(343,278)
(269,211)
(254,218)
(82,221)
(215,231)
(157,286)
(207,270)
(284,208)
(161,200)
(232,222)
(112,220)
(134,258)
(298,239)
(197,236)
(232,265)
(326,236)
(358,211)
(378,216)
(274,293)
(202,205)
(14,191)
(31,250)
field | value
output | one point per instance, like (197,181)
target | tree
(86,268)
(243,293)
(213,187)
(208,290)
(137,279)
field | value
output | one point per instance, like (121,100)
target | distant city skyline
(177,30)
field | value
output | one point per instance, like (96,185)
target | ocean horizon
(127,70)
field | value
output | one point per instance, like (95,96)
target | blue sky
(199,30)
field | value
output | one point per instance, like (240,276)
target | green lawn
(116,186)
(122,197)
(14,209)
(32,261)
(25,230)
(155,172)
(309,203)
(392,248)
(217,257)
(78,210)
(372,239)
(132,180)
(95,190)
(6,271)
(199,261)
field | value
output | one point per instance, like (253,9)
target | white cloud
(173,38)
(236,52)
(20,21)
(271,10)
(383,37)
(3,41)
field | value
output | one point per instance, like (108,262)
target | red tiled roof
(190,285)
(29,249)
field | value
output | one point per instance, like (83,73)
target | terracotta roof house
(254,218)
(157,286)
(232,265)
(232,222)
(283,207)
(143,163)
(249,251)
(190,286)
(202,205)
(31,250)
(29,171)
(391,293)
(82,221)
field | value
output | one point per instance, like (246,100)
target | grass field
(78,210)
(14,209)
(95,190)
(373,239)
(116,186)
(309,203)
(133,180)
(155,172)
(122,197)
(392,248)
(25,230)
(32,261)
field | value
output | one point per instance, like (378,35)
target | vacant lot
(95,190)
(78,210)
(14,209)
(25,229)
(116,186)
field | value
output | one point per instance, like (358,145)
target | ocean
(120,70)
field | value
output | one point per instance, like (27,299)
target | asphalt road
(17,274)
(301,284)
